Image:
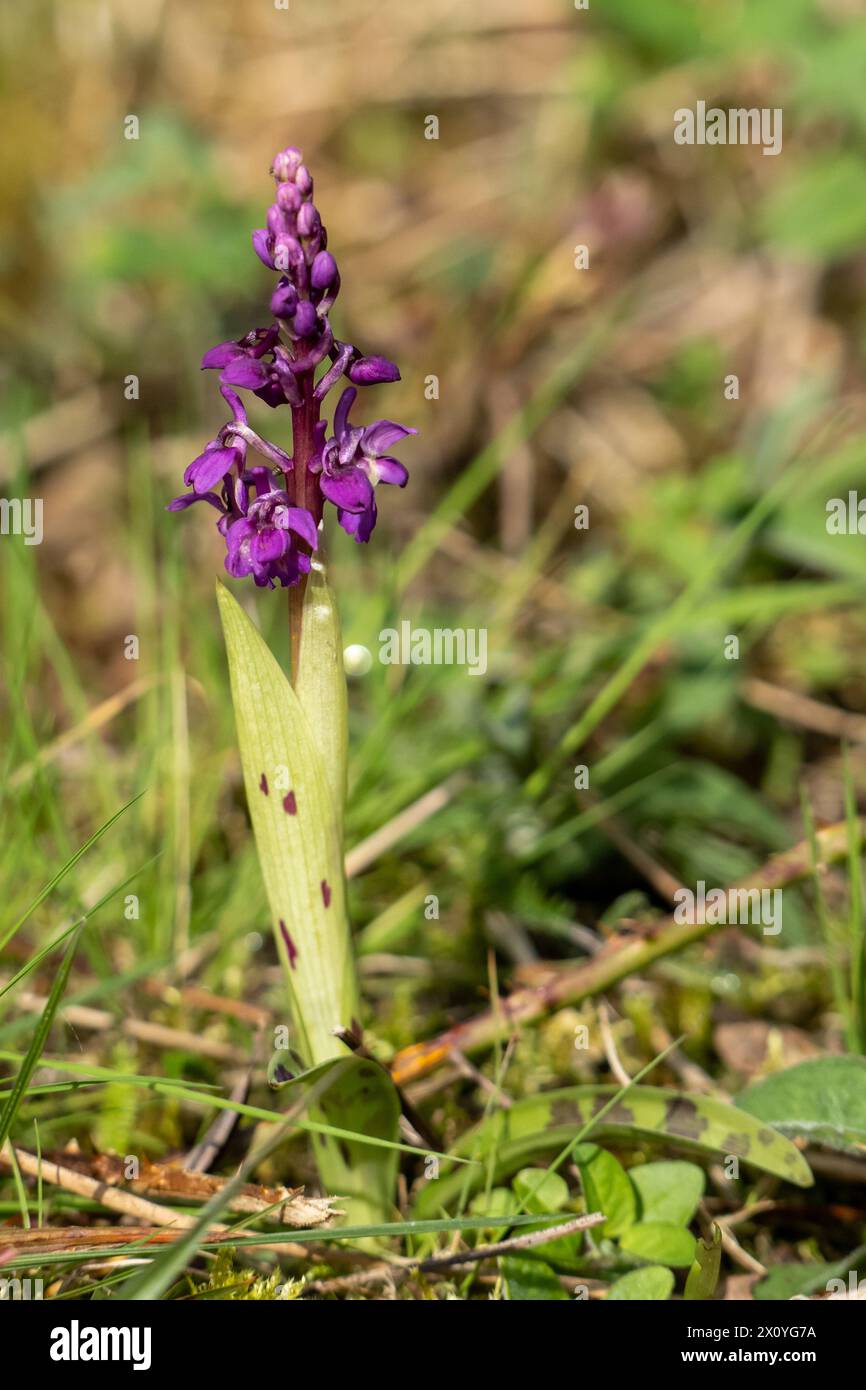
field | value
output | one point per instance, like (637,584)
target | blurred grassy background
(557,387)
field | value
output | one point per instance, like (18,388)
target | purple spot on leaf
(290,945)
(263,785)
(326,893)
(290,805)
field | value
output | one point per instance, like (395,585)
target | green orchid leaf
(297,836)
(545,1123)
(320,684)
(360,1096)
(293,755)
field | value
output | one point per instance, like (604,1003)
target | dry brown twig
(402,1268)
(808,713)
(103,1186)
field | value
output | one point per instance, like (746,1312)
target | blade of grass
(34,1051)
(64,870)
(183,1091)
(20,1190)
(79,922)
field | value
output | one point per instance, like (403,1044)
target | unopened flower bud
(288,197)
(369,371)
(287,252)
(308,220)
(323,271)
(261,240)
(286,164)
(277,220)
(305,320)
(284,300)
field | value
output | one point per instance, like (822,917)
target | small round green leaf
(661,1242)
(652,1283)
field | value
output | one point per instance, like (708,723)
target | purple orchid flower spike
(269,498)
(270,513)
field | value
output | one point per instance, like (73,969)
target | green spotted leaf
(292,749)
(823,1099)
(545,1123)
(320,684)
(299,847)
(358,1095)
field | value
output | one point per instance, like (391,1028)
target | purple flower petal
(262,477)
(272,393)
(261,238)
(277,219)
(268,545)
(380,435)
(349,441)
(308,220)
(301,521)
(220,356)
(289,255)
(352,490)
(237,406)
(370,371)
(209,468)
(246,372)
(286,163)
(180,504)
(392,471)
(361,524)
(238,537)
(288,197)
(341,414)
